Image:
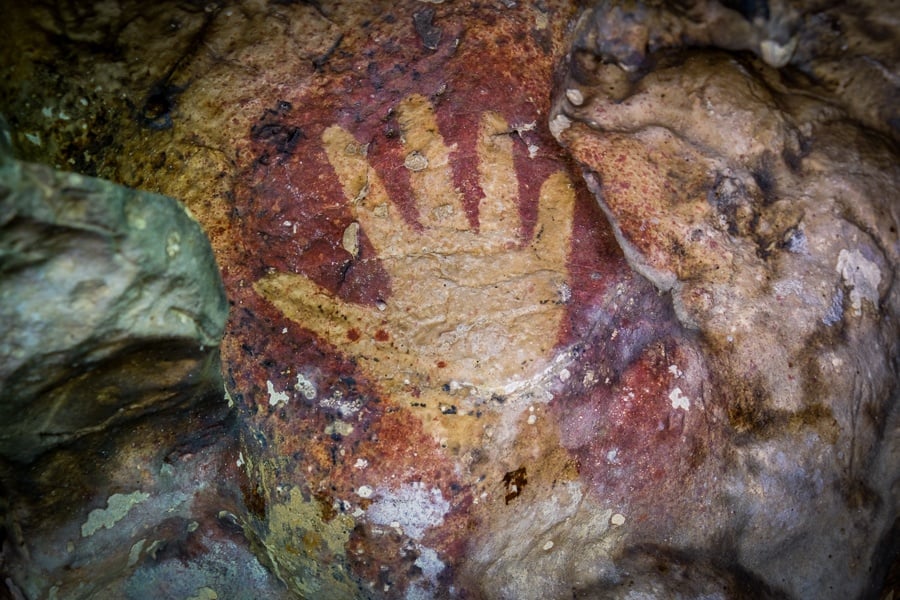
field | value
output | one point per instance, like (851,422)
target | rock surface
(111,400)
(93,272)
(449,379)
(770,216)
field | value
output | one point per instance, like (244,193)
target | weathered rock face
(450,381)
(771,218)
(112,419)
(92,273)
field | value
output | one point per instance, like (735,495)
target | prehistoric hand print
(474,307)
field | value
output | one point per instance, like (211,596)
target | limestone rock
(847,51)
(771,218)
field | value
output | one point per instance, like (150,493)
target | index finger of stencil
(377,215)
(428,161)
(498,213)
(553,230)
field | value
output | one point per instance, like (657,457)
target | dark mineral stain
(156,111)
(793,156)
(428,33)
(515,481)
(750,9)
(276,134)
(747,411)
(687,571)
(322,60)
(253,497)
(765,179)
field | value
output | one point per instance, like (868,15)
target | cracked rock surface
(527,300)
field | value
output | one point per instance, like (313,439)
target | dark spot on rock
(279,137)
(894,124)
(877,31)
(764,177)
(326,507)
(321,60)
(353,335)
(816,416)
(728,196)
(763,251)
(515,482)
(793,154)
(543,40)
(750,9)
(282,137)
(793,240)
(748,411)
(375,77)
(253,498)
(428,33)
(382,336)
(156,111)
(230,523)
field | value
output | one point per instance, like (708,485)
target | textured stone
(450,380)
(95,276)
(770,216)
(845,52)
(112,419)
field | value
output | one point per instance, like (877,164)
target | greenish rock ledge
(95,276)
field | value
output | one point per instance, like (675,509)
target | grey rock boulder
(117,440)
(93,277)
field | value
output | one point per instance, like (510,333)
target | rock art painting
(471,308)
(527,300)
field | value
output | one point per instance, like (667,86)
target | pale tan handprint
(473,313)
